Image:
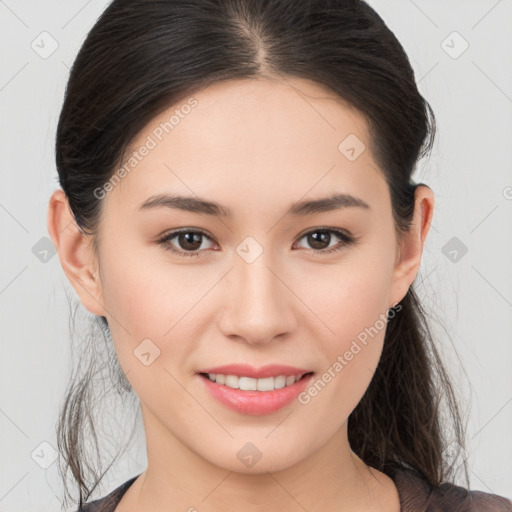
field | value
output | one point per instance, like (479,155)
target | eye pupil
(315,236)
(187,238)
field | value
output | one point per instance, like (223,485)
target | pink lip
(270,370)
(255,402)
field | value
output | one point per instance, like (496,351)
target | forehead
(258,138)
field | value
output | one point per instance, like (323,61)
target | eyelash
(346,239)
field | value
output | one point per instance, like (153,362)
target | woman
(238,213)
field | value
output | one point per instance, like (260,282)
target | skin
(256,147)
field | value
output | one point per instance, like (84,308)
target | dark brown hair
(143,56)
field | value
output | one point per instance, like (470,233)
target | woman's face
(251,290)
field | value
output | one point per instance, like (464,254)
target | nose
(259,305)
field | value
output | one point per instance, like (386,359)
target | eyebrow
(202,206)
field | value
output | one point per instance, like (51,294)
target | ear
(75,253)
(410,248)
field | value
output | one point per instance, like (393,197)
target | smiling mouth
(250,384)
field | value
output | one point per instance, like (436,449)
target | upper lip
(270,370)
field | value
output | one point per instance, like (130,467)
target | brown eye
(188,241)
(320,239)
(317,239)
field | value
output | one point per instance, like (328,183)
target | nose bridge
(259,300)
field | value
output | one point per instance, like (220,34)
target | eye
(191,241)
(321,236)
(188,239)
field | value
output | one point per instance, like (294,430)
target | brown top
(416,495)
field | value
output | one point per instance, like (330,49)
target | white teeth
(247,384)
(290,380)
(280,382)
(250,384)
(231,381)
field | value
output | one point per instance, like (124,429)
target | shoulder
(416,495)
(109,502)
(447,496)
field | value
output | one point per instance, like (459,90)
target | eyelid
(333,229)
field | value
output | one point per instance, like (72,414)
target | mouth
(251,396)
(244,383)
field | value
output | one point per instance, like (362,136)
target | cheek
(147,296)
(152,309)
(348,297)
(351,305)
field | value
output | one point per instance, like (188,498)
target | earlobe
(75,253)
(410,250)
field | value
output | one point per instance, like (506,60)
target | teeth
(250,384)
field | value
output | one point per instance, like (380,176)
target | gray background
(470,173)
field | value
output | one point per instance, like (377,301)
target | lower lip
(256,402)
